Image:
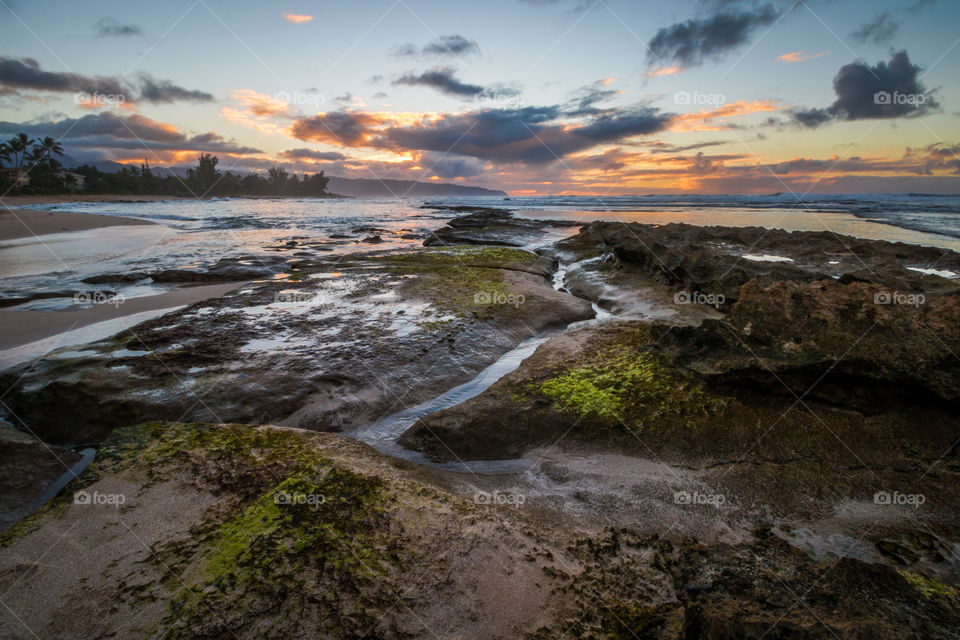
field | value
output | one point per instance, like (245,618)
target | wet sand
(22,223)
(23,327)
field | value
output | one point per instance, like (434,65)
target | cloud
(533,135)
(800,56)
(663,71)
(312,154)
(164,91)
(939,155)
(449,166)
(858,84)
(340,128)
(107,27)
(810,118)
(690,43)
(261,104)
(585,99)
(705,120)
(444,46)
(663,147)
(125,137)
(297,18)
(443,80)
(886,90)
(25,73)
(879,31)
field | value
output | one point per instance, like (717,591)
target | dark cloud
(809,118)
(108,130)
(857,86)
(879,30)
(886,90)
(107,27)
(312,154)
(690,43)
(132,127)
(25,73)
(939,155)
(166,92)
(444,46)
(579,6)
(449,166)
(443,80)
(585,99)
(701,164)
(531,135)
(342,128)
(663,147)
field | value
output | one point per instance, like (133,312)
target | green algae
(625,384)
(932,589)
(294,525)
(454,256)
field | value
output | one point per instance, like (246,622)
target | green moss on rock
(624,383)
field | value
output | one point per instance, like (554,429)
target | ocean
(195,233)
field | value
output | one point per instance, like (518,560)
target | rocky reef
(731,433)
(200,531)
(328,345)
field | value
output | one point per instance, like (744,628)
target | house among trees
(72,181)
(15,177)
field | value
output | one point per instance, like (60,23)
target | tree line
(36,158)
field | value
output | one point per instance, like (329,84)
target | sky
(589,97)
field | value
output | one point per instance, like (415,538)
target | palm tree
(42,154)
(19,146)
(4,157)
(46,148)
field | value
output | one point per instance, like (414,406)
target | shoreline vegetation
(31,166)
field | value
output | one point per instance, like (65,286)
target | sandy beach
(22,223)
(22,327)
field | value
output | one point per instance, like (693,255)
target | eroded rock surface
(488,226)
(263,532)
(335,344)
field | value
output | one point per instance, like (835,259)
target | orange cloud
(800,56)
(663,71)
(261,104)
(703,120)
(297,18)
